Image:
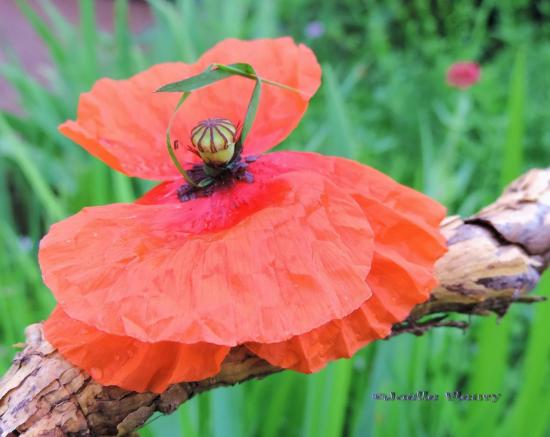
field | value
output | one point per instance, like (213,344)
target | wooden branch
(495,258)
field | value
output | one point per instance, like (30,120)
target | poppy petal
(127,362)
(342,338)
(407,244)
(256,262)
(123,122)
(361,179)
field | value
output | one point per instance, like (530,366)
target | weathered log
(495,258)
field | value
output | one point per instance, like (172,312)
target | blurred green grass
(384,101)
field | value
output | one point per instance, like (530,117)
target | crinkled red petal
(126,362)
(256,262)
(323,194)
(407,245)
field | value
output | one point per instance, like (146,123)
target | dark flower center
(211,179)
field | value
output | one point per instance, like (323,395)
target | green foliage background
(384,101)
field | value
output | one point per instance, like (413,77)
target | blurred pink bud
(463,74)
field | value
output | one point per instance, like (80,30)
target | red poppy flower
(463,74)
(305,263)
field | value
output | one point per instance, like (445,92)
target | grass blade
(512,159)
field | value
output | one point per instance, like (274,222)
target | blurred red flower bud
(463,74)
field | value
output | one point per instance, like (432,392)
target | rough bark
(495,258)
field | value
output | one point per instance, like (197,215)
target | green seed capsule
(214,140)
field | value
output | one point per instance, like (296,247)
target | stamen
(209,180)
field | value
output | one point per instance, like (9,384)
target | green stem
(171,150)
(250,113)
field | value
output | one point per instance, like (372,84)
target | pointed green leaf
(239,68)
(193,83)
(211,75)
(215,73)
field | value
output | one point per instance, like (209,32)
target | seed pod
(214,139)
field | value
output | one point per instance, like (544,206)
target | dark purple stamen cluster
(212,179)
